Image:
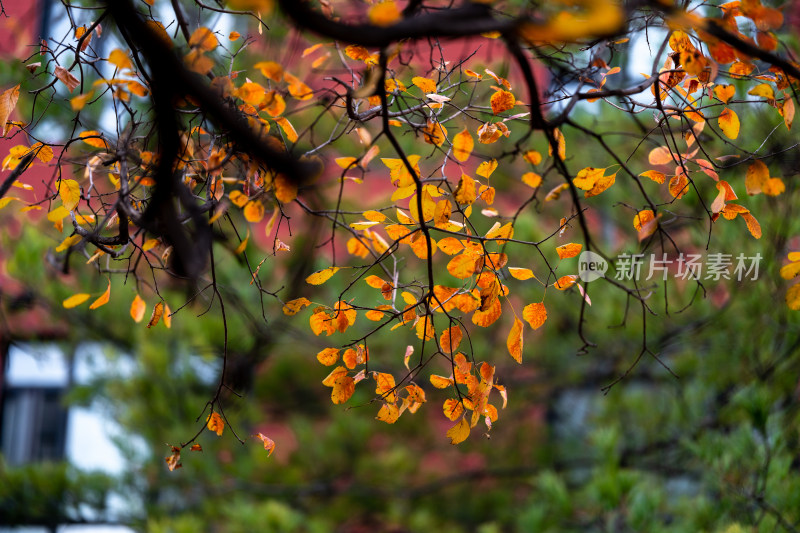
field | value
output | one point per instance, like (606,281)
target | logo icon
(591,266)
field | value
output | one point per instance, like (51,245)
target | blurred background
(704,439)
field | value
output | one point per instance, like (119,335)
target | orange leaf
(450,339)
(215,423)
(654,175)
(253,211)
(488,317)
(103,299)
(660,156)
(137,309)
(569,250)
(502,101)
(343,388)
(462,266)
(65,77)
(203,39)
(271,70)
(463,144)
(388,413)
(8,101)
(532,179)
(514,341)
(452,409)
(756,177)
(269,444)
(565,282)
(752,225)
(328,356)
(158,311)
(724,92)
(535,314)
(441,382)
(292,307)
(384,13)
(678,185)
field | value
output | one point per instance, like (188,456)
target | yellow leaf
(68,242)
(103,299)
(514,341)
(791,270)
(466,191)
(292,307)
(521,273)
(729,123)
(793,297)
(459,432)
(242,245)
(569,250)
(158,311)
(560,143)
(328,356)
(384,13)
(75,300)
(486,168)
(215,423)
(234,35)
(374,216)
(70,193)
(137,309)
(764,90)
(535,314)
(321,276)
(120,59)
